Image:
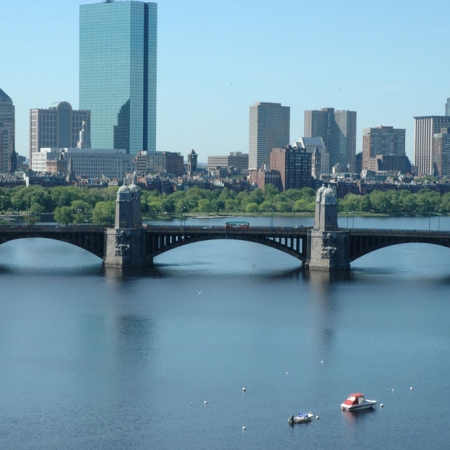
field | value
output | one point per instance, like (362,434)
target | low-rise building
(238,160)
(86,162)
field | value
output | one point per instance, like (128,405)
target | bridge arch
(287,240)
(363,242)
(90,239)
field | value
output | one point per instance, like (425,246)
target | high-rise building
(447,107)
(441,153)
(425,129)
(337,128)
(57,126)
(118,73)
(7,126)
(269,128)
(382,140)
(294,165)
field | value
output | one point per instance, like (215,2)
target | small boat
(356,402)
(300,418)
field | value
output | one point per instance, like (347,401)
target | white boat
(356,402)
(300,418)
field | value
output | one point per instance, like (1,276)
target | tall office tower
(337,128)
(294,165)
(447,107)
(118,73)
(57,126)
(382,141)
(269,128)
(425,129)
(441,153)
(7,125)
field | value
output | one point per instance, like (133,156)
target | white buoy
(381,405)
(191,403)
(205,402)
(243,389)
(321,362)
(287,373)
(411,388)
(317,417)
(388,390)
(243,428)
(392,389)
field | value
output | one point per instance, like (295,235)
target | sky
(387,60)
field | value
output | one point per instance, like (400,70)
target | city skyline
(213,63)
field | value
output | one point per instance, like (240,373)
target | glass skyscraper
(118,73)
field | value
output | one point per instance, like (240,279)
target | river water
(94,358)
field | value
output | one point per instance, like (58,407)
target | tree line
(70,204)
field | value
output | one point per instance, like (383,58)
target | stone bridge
(129,243)
(291,240)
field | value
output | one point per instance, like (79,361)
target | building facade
(382,140)
(321,158)
(337,128)
(294,165)
(425,129)
(192,161)
(159,162)
(118,73)
(441,153)
(238,160)
(7,128)
(57,126)
(89,163)
(269,128)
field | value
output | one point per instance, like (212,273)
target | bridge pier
(125,248)
(328,250)
(125,244)
(328,247)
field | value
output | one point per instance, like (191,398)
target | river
(95,358)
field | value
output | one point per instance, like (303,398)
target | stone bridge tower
(125,243)
(328,247)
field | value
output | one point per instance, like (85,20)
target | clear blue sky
(387,60)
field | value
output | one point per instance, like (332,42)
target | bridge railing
(196,228)
(395,232)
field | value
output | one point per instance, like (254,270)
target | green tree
(409,203)
(252,208)
(103,213)
(257,196)
(205,206)
(283,207)
(78,218)
(301,205)
(270,191)
(266,206)
(155,206)
(81,206)
(230,205)
(64,215)
(168,204)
